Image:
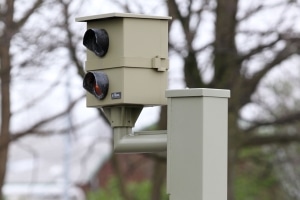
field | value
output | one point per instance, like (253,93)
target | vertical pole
(67,143)
(197,144)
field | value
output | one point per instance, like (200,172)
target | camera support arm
(125,141)
(122,119)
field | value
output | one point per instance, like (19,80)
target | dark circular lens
(96,83)
(97,41)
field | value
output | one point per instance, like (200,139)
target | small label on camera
(116,95)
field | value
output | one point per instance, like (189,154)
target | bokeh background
(53,147)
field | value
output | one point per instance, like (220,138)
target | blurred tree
(9,28)
(227,44)
(26,45)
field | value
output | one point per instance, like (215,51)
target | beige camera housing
(136,62)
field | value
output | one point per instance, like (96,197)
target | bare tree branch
(33,102)
(80,125)
(70,44)
(270,139)
(173,9)
(278,58)
(200,49)
(278,121)
(259,8)
(252,83)
(28,13)
(250,13)
(259,49)
(123,6)
(39,124)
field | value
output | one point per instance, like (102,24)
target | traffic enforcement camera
(127,59)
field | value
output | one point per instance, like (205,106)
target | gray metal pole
(67,144)
(197,144)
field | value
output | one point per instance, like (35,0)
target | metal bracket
(161,64)
(122,116)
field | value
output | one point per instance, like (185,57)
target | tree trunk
(234,139)
(5,112)
(5,62)
(122,185)
(159,169)
(158,179)
(226,73)
(231,172)
(192,74)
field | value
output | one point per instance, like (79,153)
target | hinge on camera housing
(161,64)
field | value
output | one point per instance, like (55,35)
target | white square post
(197,144)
